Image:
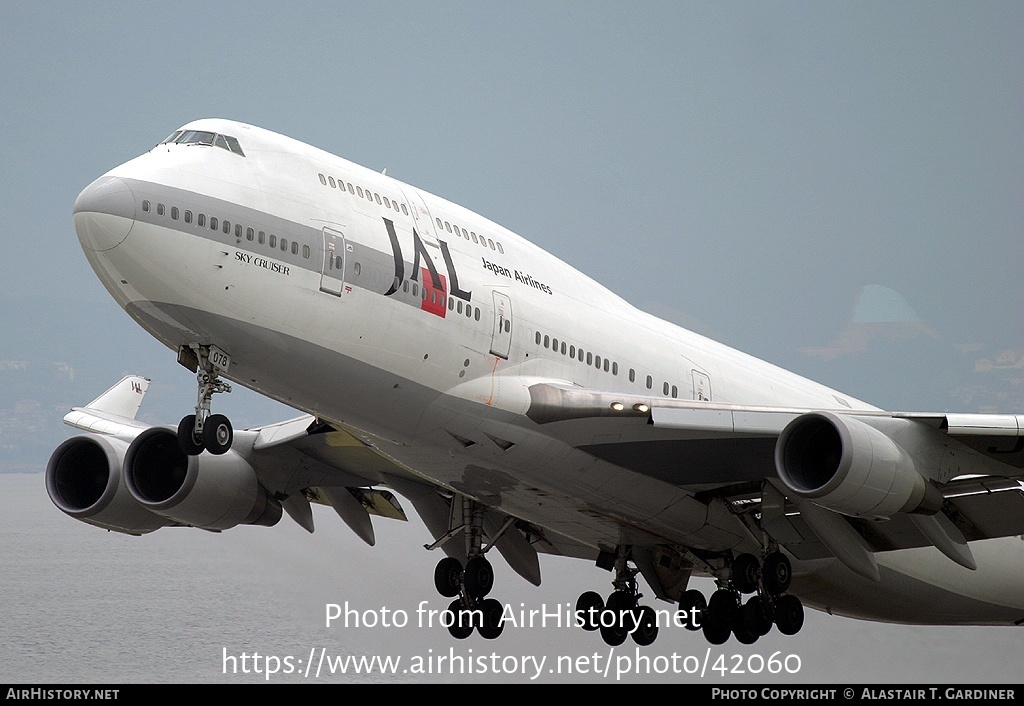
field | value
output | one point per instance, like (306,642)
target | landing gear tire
(615,633)
(618,604)
(647,626)
(186,436)
(777,573)
(757,616)
(461,625)
(479,577)
(588,610)
(694,606)
(745,573)
(217,434)
(491,625)
(720,616)
(715,632)
(621,600)
(448,577)
(789,615)
(743,634)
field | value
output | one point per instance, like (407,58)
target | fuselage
(364,301)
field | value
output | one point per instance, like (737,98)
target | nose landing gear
(204,430)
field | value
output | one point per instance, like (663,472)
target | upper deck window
(202,137)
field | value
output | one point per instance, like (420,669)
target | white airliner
(517,404)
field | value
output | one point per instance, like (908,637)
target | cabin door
(332,271)
(501,334)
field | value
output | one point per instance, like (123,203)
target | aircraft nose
(104,214)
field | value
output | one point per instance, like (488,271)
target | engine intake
(845,465)
(83,479)
(211,492)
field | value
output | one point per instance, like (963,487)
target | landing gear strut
(469,585)
(204,430)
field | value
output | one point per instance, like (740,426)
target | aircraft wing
(841,482)
(127,476)
(333,454)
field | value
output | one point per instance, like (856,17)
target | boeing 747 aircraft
(518,405)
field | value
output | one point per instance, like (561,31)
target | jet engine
(845,465)
(211,492)
(83,479)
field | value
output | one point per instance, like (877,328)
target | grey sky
(742,168)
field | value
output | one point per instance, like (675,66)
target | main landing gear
(470,609)
(621,616)
(469,584)
(204,430)
(725,614)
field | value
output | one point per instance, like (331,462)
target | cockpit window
(233,145)
(202,137)
(195,137)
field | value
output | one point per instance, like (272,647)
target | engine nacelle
(211,492)
(845,465)
(83,479)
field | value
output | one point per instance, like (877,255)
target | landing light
(618,406)
(641,407)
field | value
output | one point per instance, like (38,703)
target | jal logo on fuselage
(435,285)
